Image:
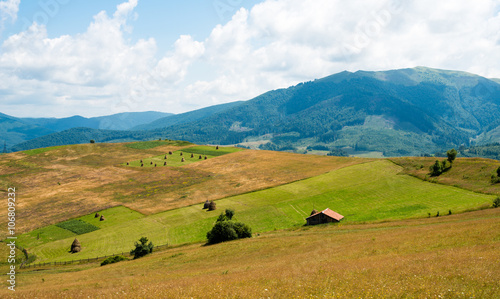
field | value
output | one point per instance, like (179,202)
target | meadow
(175,159)
(363,193)
(61,183)
(391,241)
(439,257)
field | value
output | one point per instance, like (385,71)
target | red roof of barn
(329,213)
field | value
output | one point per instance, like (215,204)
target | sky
(60,58)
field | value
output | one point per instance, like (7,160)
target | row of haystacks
(166,158)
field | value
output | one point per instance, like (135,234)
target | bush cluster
(142,248)
(225,229)
(113,259)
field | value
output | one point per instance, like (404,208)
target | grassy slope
(468,173)
(56,184)
(445,257)
(366,192)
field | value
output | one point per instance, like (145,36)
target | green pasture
(155,143)
(175,159)
(77,226)
(374,191)
(51,233)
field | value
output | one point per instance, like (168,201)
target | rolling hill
(390,230)
(397,113)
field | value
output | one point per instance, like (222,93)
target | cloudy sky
(60,58)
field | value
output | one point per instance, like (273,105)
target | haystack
(192,155)
(165,157)
(217,147)
(102,218)
(76,246)
(200,157)
(170,153)
(212,206)
(181,153)
(183,160)
(164,163)
(205,157)
(96,215)
(206,204)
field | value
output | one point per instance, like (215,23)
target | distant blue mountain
(18,130)
(120,121)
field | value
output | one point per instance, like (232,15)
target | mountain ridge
(396,112)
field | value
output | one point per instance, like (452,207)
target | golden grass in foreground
(447,257)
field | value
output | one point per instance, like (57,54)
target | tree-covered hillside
(396,113)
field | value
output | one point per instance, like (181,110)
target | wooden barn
(325,216)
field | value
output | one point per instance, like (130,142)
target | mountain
(120,121)
(13,130)
(186,117)
(396,113)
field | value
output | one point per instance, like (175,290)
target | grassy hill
(362,193)
(390,228)
(60,183)
(444,257)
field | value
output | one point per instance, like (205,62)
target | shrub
(92,141)
(229,214)
(142,248)
(496,202)
(227,230)
(436,169)
(113,259)
(451,155)
(242,230)
(221,232)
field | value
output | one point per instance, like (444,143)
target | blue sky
(60,58)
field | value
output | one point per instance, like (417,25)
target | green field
(175,159)
(113,216)
(77,226)
(155,143)
(369,192)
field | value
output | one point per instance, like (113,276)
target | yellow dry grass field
(60,183)
(453,256)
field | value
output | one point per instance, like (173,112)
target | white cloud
(276,44)
(8,10)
